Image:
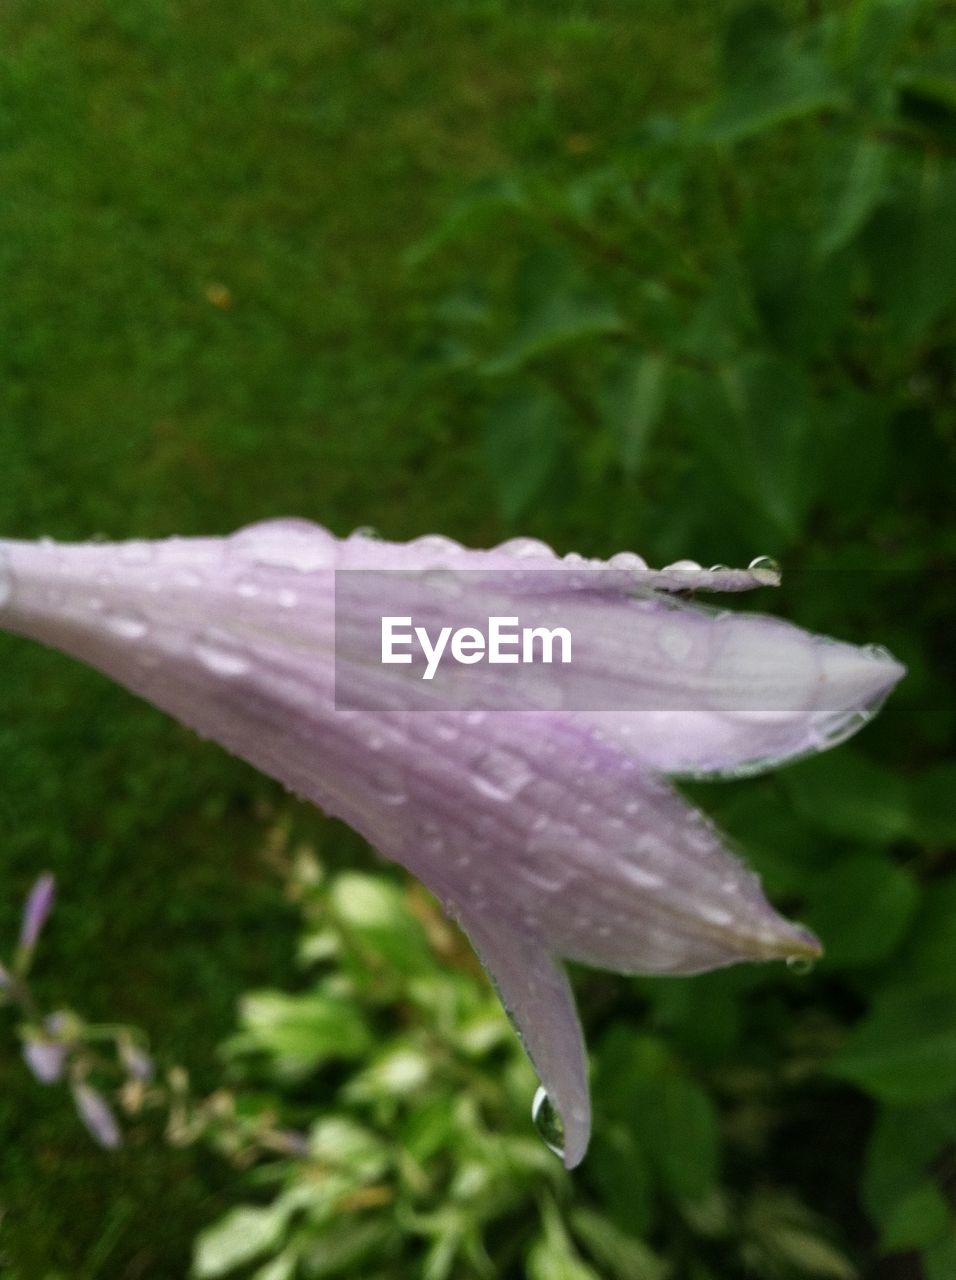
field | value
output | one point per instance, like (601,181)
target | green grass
(278,159)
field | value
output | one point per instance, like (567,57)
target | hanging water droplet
(128,626)
(765,569)
(6,578)
(218,656)
(800,965)
(547,1121)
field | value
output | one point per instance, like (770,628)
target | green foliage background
(672,277)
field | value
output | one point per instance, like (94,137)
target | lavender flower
(97,1116)
(137,1064)
(38,906)
(544,825)
(45,1058)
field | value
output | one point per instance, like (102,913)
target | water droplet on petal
(500,775)
(285,544)
(437,542)
(627,560)
(526,549)
(128,626)
(765,569)
(218,655)
(689,565)
(718,568)
(547,1121)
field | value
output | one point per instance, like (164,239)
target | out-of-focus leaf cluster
(398,1066)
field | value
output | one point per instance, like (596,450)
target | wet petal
(535,991)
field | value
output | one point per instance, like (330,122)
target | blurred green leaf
(282,1267)
(637,1077)
(555,310)
(346,1247)
(932,77)
(918,1219)
(302,1032)
(771,75)
(933,804)
(911,253)
(849,796)
(939,1258)
(870,34)
(239,1237)
(862,188)
(522,438)
(685,1138)
(904,1143)
(904,1050)
(553,1256)
(622,1255)
(375,913)
(860,908)
(811,1255)
(487,201)
(633,402)
(771,450)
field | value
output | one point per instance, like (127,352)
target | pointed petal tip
(861,674)
(793,943)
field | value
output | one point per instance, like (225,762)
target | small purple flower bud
(45,1058)
(97,1116)
(136,1062)
(38,906)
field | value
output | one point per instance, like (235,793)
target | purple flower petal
(136,1062)
(45,1058)
(542,825)
(97,1116)
(38,906)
